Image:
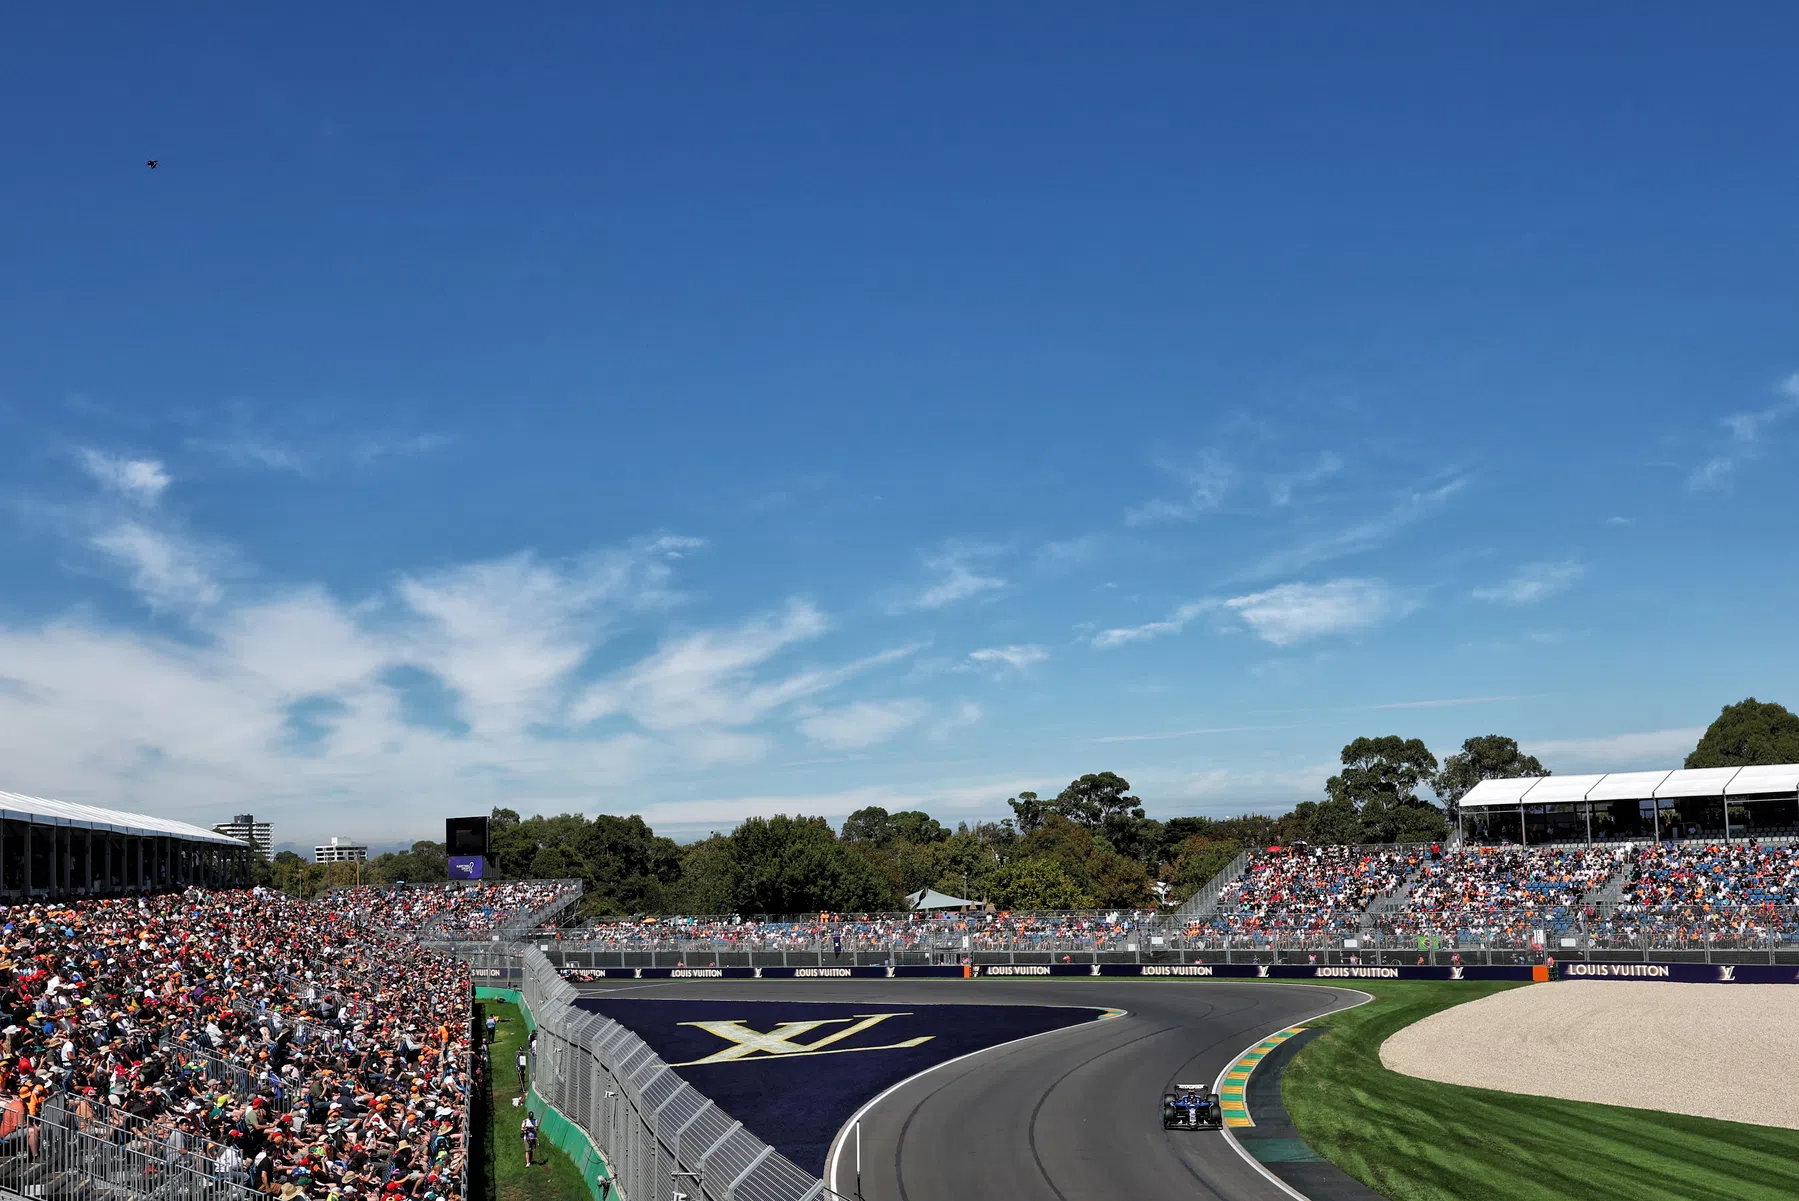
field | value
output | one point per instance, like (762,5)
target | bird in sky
(151,163)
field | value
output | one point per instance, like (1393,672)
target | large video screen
(465,836)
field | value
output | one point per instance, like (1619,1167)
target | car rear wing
(1190,1088)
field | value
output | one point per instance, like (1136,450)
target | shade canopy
(1773,777)
(15,807)
(930,898)
(1627,786)
(1560,790)
(1769,780)
(1701,781)
(1491,793)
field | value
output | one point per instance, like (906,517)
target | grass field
(1417,1140)
(555,1177)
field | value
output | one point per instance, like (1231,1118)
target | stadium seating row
(871,932)
(1496,895)
(1502,894)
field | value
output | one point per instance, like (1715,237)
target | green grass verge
(1417,1140)
(554,1177)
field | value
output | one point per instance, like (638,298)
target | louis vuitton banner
(1684,973)
(1025,971)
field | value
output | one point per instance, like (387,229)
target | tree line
(1089,846)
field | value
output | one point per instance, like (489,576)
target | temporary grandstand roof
(1627,786)
(930,898)
(1700,781)
(1776,777)
(1490,793)
(15,807)
(1560,790)
(1634,786)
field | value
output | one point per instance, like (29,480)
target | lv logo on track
(746,1042)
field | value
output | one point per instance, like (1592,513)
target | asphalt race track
(1071,1115)
(828,1058)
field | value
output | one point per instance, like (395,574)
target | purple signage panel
(1689,973)
(467,867)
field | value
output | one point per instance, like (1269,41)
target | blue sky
(723,412)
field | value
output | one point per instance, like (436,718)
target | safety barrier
(824,961)
(659,1135)
(1144,971)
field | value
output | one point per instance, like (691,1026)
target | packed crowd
(1300,891)
(889,932)
(457,912)
(299,1050)
(1503,894)
(1735,890)
(1493,895)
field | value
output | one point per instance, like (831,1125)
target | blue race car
(1191,1107)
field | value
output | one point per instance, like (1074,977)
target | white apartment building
(245,826)
(340,850)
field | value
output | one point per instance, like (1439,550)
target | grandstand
(239,1044)
(58,850)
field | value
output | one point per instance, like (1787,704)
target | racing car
(1191,1107)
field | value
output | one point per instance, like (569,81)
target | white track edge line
(838,1141)
(1218,1084)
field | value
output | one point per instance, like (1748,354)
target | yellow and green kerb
(1230,1094)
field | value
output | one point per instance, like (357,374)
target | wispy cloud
(965,714)
(1533,582)
(1205,479)
(1616,752)
(705,679)
(99,711)
(171,570)
(171,573)
(1168,735)
(958,568)
(248,447)
(1294,613)
(862,724)
(1281,487)
(1361,536)
(140,481)
(1018,658)
(1747,430)
(1455,702)
(1174,623)
(1620,521)
(1056,558)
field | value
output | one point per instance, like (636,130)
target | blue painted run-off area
(794,1071)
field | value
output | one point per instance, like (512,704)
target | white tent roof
(1634,786)
(930,898)
(1627,786)
(1701,781)
(1560,790)
(1489,793)
(16,807)
(1774,777)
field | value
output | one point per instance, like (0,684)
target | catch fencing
(660,1136)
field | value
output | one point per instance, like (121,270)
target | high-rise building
(246,827)
(340,850)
